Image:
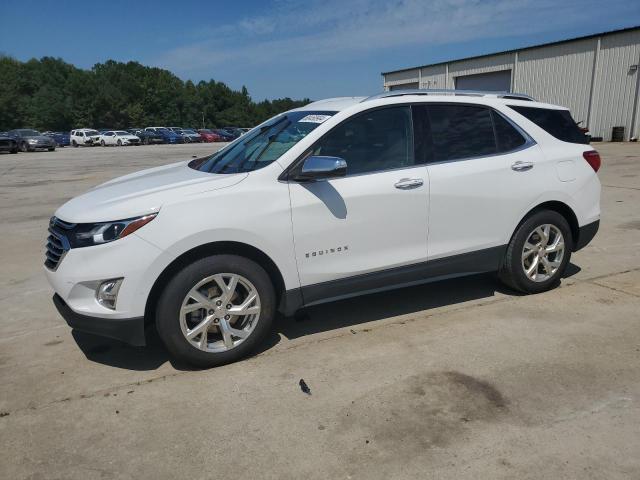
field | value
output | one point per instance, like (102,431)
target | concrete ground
(461,379)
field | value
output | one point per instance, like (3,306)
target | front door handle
(409,183)
(521,166)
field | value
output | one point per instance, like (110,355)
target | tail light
(593,158)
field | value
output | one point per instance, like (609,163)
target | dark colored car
(31,140)
(235,132)
(169,136)
(8,144)
(226,136)
(147,137)
(62,139)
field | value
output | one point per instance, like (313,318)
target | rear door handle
(409,183)
(522,166)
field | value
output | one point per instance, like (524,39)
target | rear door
(484,173)
(372,220)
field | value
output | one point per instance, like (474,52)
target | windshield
(163,129)
(122,133)
(190,132)
(263,145)
(92,132)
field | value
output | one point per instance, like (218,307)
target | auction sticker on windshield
(314,118)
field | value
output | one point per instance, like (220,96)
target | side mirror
(317,167)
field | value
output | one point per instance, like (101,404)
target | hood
(142,193)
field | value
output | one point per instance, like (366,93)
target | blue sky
(311,48)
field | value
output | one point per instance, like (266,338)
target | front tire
(538,253)
(24,147)
(216,310)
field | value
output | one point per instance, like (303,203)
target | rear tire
(174,324)
(538,253)
(52,149)
(74,143)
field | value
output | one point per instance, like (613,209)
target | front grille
(57,242)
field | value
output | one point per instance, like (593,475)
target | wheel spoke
(545,264)
(225,331)
(529,248)
(533,268)
(203,325)
(245,308)
(557,245)
(200,298)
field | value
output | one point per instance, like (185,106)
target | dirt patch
(419,413)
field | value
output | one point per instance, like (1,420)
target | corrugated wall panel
(558,74)
(398,78)
(615,83)
(434,77)
(474,66)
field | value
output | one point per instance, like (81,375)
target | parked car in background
(7,143)
(168,136)
(226,136)
(118,138)
(191,136)
(146,137)
(209,135)
(85,136)
(235,132)
(31,140)
(62,139)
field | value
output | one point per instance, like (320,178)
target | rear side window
(507,137)
(461,131)
(557,123)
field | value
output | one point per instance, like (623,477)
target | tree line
(50,94)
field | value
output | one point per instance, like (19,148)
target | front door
(352,232)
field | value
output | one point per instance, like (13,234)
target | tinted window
(372,141)
(507,136)
(555,122)
(460,131)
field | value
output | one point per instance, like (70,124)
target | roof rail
(438,91)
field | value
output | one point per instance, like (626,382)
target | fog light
(107,293)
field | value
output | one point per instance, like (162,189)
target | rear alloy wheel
(538,253)
(216,310)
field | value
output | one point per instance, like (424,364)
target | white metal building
(595,76)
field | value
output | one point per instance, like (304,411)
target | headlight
(32,141)
(88,234)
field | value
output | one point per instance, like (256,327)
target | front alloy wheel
(216,310)
(220,312)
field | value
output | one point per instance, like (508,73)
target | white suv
(339,198)
(84,136)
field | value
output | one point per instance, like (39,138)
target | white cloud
(341,30)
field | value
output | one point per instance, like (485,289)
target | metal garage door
(493,81)
(404,86)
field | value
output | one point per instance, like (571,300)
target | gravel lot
(461,379)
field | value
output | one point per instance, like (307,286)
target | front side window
(264,145)
(372,141)
(557,123)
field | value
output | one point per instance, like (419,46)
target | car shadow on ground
(321,318)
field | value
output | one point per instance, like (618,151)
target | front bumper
(81,270)
(128,330)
